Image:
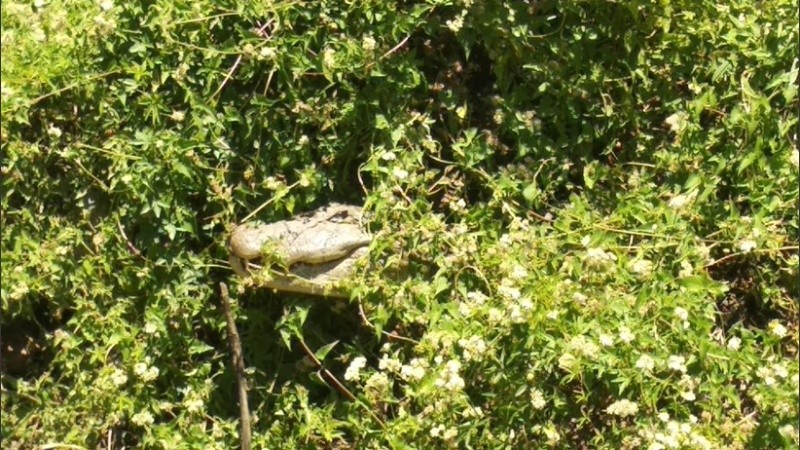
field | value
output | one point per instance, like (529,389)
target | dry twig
(238,364)
(333,381)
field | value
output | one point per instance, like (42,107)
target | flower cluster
(449,377)
(145,372)
(623,408)
(353,371)
(674,434)
(474,348)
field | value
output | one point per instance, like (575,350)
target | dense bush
(595,203)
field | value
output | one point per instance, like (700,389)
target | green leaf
(324,350)
(588,176)
(530,192)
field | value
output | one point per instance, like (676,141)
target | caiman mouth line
(321,249)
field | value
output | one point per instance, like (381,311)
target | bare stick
(758,250)
(227,76)
(396,47)
(236,63)
(392,335)
(131,247)
(238,364)
(266,203)
(332,380)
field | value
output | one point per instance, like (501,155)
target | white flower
(266,53)
(194,404)
(515,314)
(437,430)
(625,335)
(537,399)
(566,361)
(498,117)
(553,314)
(688,396)
(623,408)
(466,309)
(39,3)
(5,91)
(795,158)
(150,328)
(519,272)
(646,363)
(676,121)
(584,346)
(747,245)
(663,416)
(597,256)
(455,24)
(789,432)
(765,373)
(459,205)
(777,329)
(509,292)
(606,340)
(106,5)
(474,348)
(38,34)
(329,58)
(449,377)
(734,343)
(641,266)
(415,370)
(144,372)
(142,419)
(354,369)
(681,200)
(686,269)
(780,371)
(677,363)
(579,298)
(177,116)
(119,377)
(681,313)
(368,43)
(377,385)
(399,173)
(388,156)
(390,364)
(495,316)
(54,132)
(551,434)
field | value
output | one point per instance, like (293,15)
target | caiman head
(316,251)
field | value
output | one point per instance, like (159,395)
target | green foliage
(593,205)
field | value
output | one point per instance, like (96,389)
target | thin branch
(238,364)
(91,175)
(66,88)
(269,81)
(396,47)
(759,250)
(332,380)
(60,445)
(237,62)
(391,336)
(266,203)
(131,247)
(228,76)
(205,18)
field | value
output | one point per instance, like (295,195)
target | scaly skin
(320,250)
